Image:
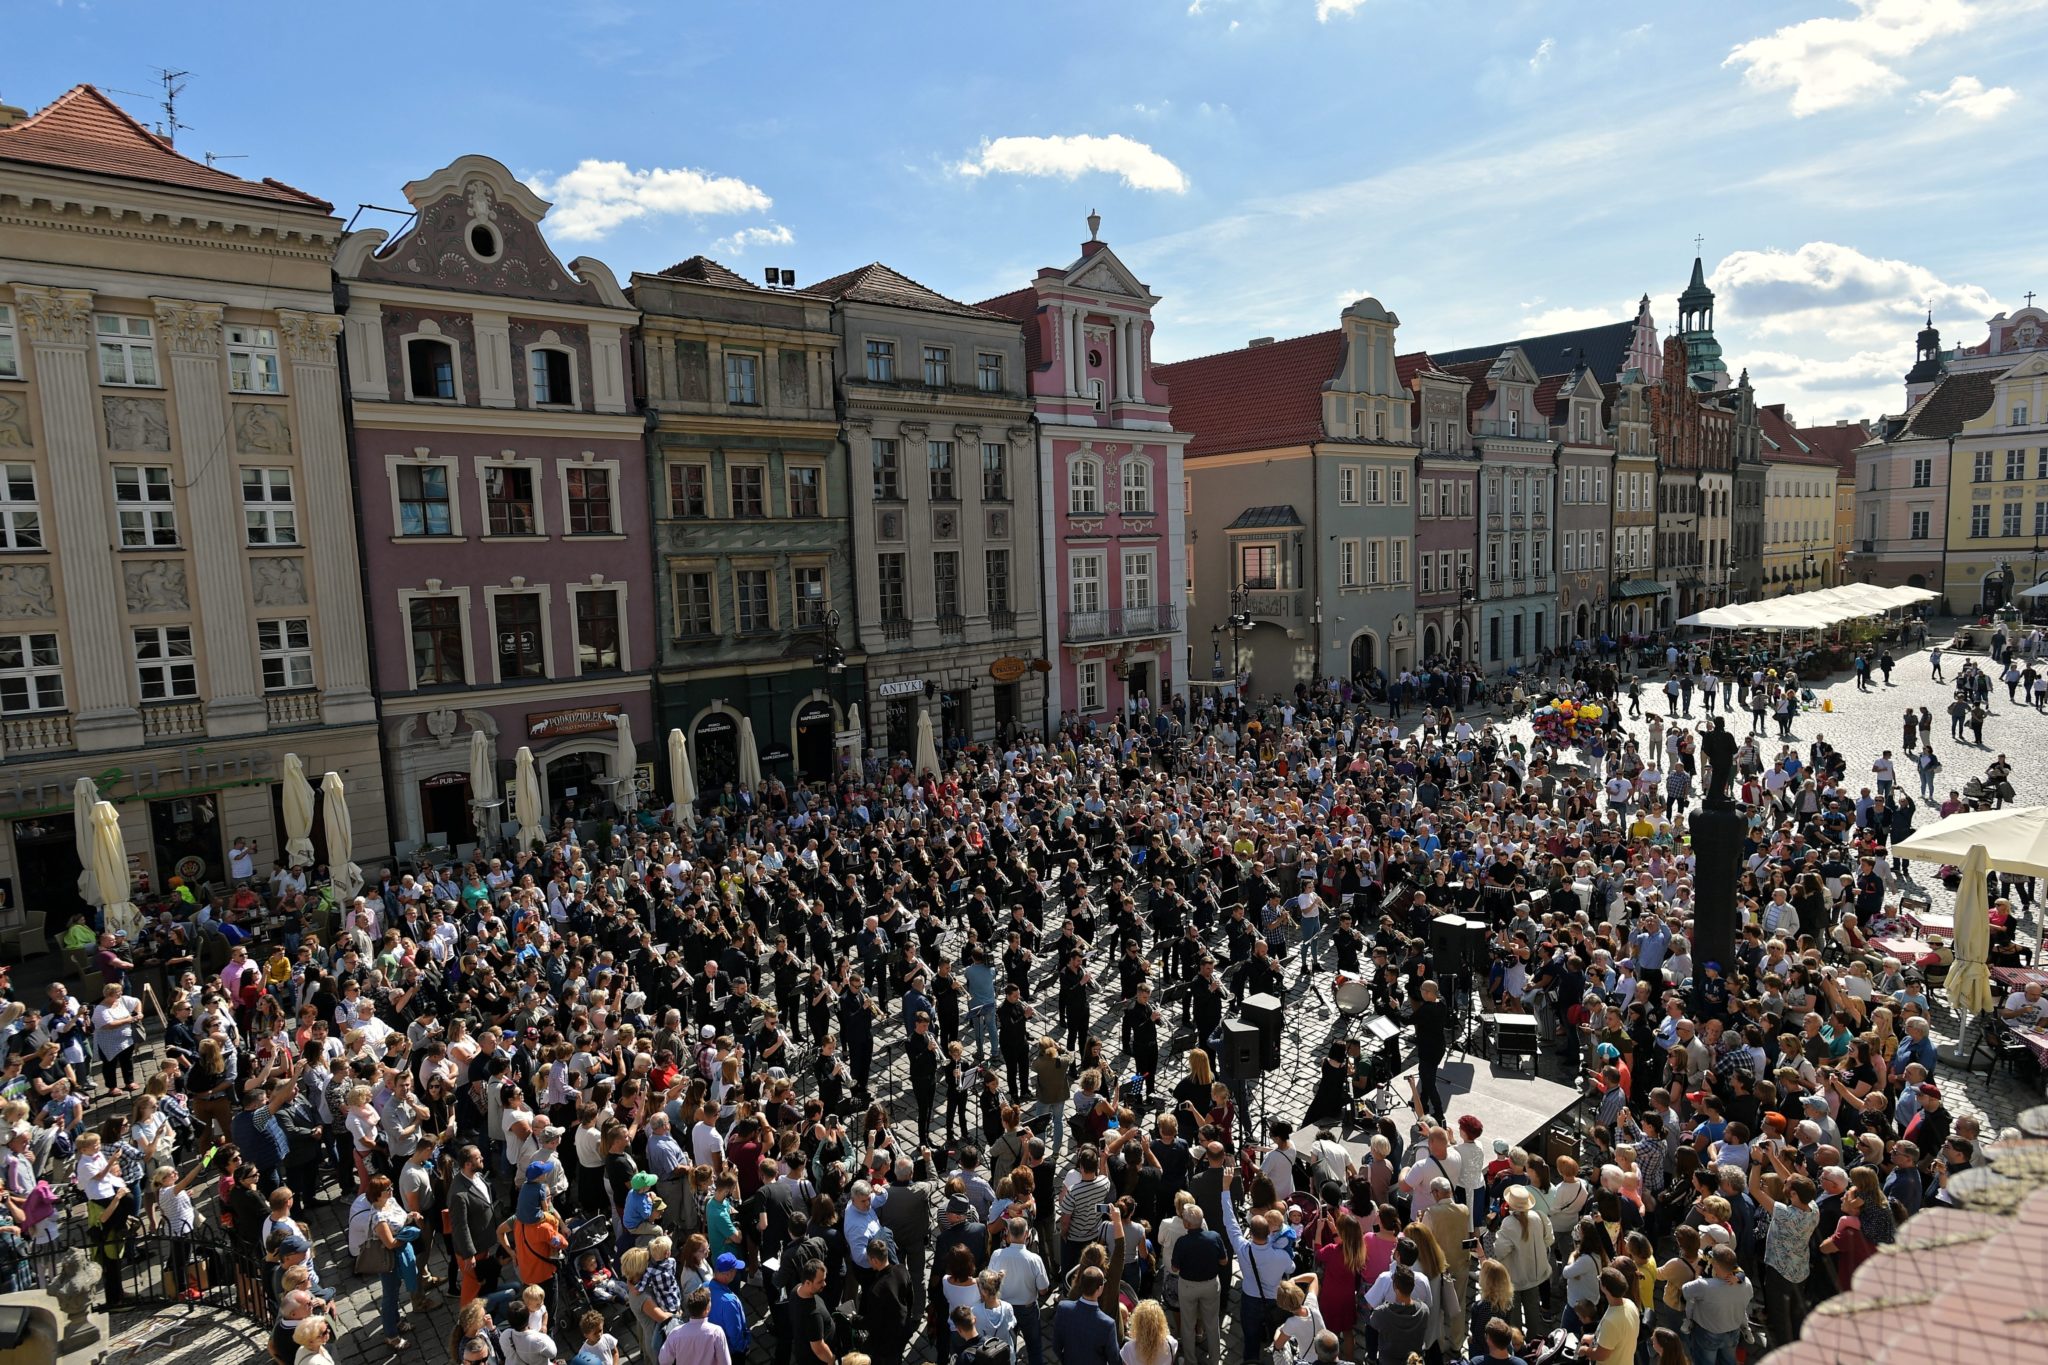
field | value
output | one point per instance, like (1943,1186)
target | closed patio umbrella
(526,800)
(84,796)
(110,869)
(342,873)
(927,758)
(750,756)
(483,787)
(625,762)
(682,784)
(298,813)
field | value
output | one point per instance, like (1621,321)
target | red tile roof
(1021,304)
(1256,397)
(1956,401)
(1837,442)
(1481,392)
(85,131)
(1785,439)
(877,283)
(704,270)
(1406,367)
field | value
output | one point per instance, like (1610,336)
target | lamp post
(832,657)
(1240,618)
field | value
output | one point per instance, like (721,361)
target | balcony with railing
(1002,620)
(292,710)
(1120,623)
(895,628)
(952,625)
(46,732)
(174,720)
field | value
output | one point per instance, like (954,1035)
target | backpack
(986,1350)
(1304,1174)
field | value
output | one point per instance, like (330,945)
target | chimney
(1260,341)
(11,115)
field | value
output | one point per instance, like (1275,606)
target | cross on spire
(1697,243)
(2029,297)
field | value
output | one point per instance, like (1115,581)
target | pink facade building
(1111,488)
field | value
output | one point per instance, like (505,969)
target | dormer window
(552,380)
(431,368)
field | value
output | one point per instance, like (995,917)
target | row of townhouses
(275,487)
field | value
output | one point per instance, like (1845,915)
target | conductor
(1431,1018)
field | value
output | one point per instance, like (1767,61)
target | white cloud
(1069,158)
(1966,95)
(1194,6)
(1326,8)
(1838,292)
(1828,63)
(736,244)
(599,195)
(1864,370)
(1542,53)
(1571,318)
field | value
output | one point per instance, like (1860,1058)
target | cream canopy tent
(110,869)
(1809,610)
(298,813)
(84,796)
(345,877)
(526,797)
(750,756)
(682,784)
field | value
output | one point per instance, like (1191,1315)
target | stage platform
(1511,1103)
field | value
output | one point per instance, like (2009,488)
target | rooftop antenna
(174,85)
(212,157)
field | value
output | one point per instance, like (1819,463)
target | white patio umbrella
(2013,840)
(84,796)
(342,873)
(298,813)
(750,756)
(526,801)
(627,762)
(682,783)
(926,759)
(110,869)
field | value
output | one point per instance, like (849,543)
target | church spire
(1703,363)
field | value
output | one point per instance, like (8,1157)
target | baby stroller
(594,1267)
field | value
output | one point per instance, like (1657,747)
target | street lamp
(831,658)
(1240,618)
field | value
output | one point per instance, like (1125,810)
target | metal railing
(1120,622)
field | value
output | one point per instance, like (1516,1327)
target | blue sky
(1485,169)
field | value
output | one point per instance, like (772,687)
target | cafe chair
(26,939)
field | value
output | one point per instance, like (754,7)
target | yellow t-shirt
(1619,1327)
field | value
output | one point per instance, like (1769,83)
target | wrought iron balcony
(1120,623)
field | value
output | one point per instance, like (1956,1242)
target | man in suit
(471,1225)
(907,1214)
(1082,1334)
(885,1307)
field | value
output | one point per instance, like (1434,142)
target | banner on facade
(580,720)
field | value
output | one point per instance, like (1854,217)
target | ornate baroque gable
(476,229)
(1100,272)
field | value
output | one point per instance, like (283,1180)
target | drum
(1351,995)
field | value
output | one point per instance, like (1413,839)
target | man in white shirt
(1277,1165)
(2026,1007)
(1436,1159)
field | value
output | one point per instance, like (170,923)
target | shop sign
(901,687)
(1009,668)
(717,724)
(775,753)
(581,720)
(162,774)
(815,710)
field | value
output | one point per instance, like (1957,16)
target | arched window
(1084,486)
(551,376)
(1137,481)
(430,368)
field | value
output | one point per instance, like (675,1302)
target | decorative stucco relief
(25,591)
(155,585)
(279,581)
(260,429)
(137,424)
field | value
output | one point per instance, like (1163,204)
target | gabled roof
(1254,398)
(877,283)
(1018,303)
(1480,392)
(1274,517)
(1838,443)
(704,270)
(1782,439)
(1956,400)
(85,131)
(1604,349)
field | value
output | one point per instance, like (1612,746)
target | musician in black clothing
(1431,1019)
(1261,975)
(1075,979)
(1013,1018)
(924,1073)
(1349,943)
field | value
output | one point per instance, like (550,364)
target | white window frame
(942,358)
(1375,486)
(169,663)
(1375,562)
(451,470)
(622,592)
(34,676)
(797,616)
(791,466)
(255,350)
(454,365)
(1921,521)
(1464,498)
(766,568)
(878,446)
(546,593)
(276,644)
(1425,498)
(726,363)
(878,353)
(1086,567)
(156,514)
(1568,558)
(984,362)
(406,598)
(1084,476)
(1136,477)
(1397,559)
(131,338)
(10,344)
(1427,565)
(1397,487)
(538,351)
(1349,554)
(508,460)
(21,519)
(708,569)
(1347,484)
(1140,579)
(610,468)
(1089,694)
(262,516)
(949,465)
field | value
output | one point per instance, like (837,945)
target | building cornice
(463,301)
(107,206)
(510,422)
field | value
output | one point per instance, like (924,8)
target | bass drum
(1352,996)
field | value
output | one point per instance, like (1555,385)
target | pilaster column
(58,326)
(213,495)
(494,360)
(323,454)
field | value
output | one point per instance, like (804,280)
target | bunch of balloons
(1566,724)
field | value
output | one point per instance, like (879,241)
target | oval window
(483,241)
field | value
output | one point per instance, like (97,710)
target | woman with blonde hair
(1340,1267)
(1523,1245)
(1446,1297)
(1495,1298)
(313,1335)
(1150,1343)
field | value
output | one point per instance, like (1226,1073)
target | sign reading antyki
(174,773)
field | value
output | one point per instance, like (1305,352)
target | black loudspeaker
(1243,1052)
(1477,949)
(1448,940)
(1262,1012)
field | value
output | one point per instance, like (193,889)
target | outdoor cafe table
(2013,978)
(1906,950)
(1931,922)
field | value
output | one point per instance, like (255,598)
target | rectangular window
(1138,578)
(423,505)
(1084,583)
(1920,520)
(1347,564)
(882,362)
(694,611)
(988,372)
(807,596)
(590,501)
(752,612)
(164,667)
(2041,463)
(689,490)
(597,630)
(438,654)
(1433,426)
(268,515)
(252,360)
(1137,473)
(1980,469)
(2015,465)
(1515,557)
(21,517)
(31,674)
(286,649)
(10,346)
(2019,414)
(890,580)
(142,502)
(938,367)
(1084,487)
(1375,551)
(1980,521)
(946,583)
(995,572)
(1464,498)
(127,350)
(1425,497)
(743,380)
(1464,570)
(521,644)
(805,490)
(1258,567)
(1088,683)
(995,471)
(549,380)
(888,470)
(1347,484)
(1923,471)
(1372,486)
(2041,519)
(1567,553)
(2009,519)
(1599,549)
(508,500)
(1428,564)
(939,462)
(1493,562)
(1397,487)
(748,486)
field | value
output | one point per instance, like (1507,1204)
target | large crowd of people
(926,1065)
